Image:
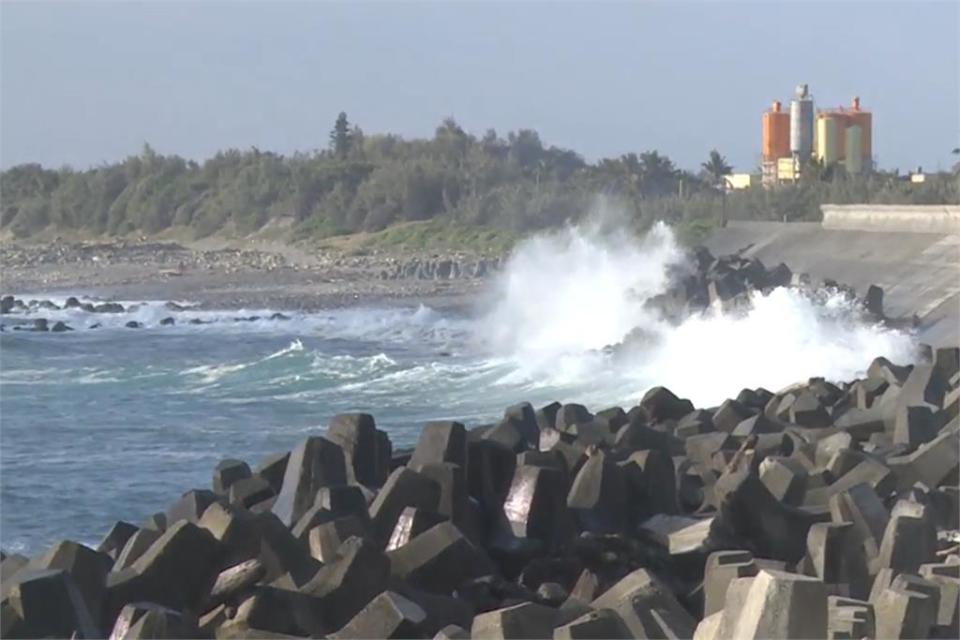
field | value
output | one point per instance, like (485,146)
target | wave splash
(564,297)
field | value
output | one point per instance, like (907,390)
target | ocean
(98,425)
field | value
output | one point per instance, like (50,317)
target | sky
(84,83)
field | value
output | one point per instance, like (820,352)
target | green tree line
(369,182)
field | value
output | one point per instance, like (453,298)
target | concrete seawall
(908,218)
(917,263)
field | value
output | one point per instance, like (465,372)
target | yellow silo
(829,128)
(854,151)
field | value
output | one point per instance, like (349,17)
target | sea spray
(565,297)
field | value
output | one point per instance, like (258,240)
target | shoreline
(269,276)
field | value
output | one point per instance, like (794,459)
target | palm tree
(716,168)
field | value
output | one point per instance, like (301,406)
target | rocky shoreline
(825,510)
(822,511)
(248,275)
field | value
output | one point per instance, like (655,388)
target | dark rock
(346,584)
(659,403)
(116,538)
(108,307)
(356,433)
(595,625)
(404,488)
(190,506)
(441,442)
(535,506)
(597,496)
(133,324)
(167,322)
(135,547)
(235,580)
(272,469)
(248,492)
(647,607)
(325,539)
(730,414)
(439,560)
(148,620)
(177,571)
(60,327)
(571,414)
(651,477)
(227,472)
(490,471)
(453,501)
(387,616)
(914,425)
(236,531)
(316,462)
(526,620)
(46,603)
(87,568)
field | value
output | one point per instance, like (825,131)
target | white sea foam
(565,296)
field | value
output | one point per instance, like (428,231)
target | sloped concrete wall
(919,271)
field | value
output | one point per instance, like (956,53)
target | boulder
(115,539)
(647,607)
(535,504)
(525,620)
(721,568)
(600,624)
(774,604)
(177,571)
(148,620)
(227,472)
(190,506)
(135,547)
(316,462)
(273,468)
(87,567)
(441,442)
(598,497)
(659,404)
(403,488)
(439,560)
(324,540)
(356,433)
(246,492)
(387,616)
(46,603)
(411,523)
(347,583)
(849,618)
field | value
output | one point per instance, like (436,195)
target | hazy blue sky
(85,83)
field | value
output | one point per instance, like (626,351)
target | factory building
(831,136)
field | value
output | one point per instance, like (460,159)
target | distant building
(831,136)
(736,181)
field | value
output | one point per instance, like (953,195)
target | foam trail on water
(564,297)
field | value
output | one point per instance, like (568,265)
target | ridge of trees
(369,182)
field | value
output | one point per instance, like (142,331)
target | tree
(716,168)
(340,138)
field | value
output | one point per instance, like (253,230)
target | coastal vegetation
(455,186)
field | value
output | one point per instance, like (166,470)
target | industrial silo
(830,137)
(776,134)
(863,119)
(854,151)
(801,123)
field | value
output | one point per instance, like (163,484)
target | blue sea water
(98,425)
(115,423)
